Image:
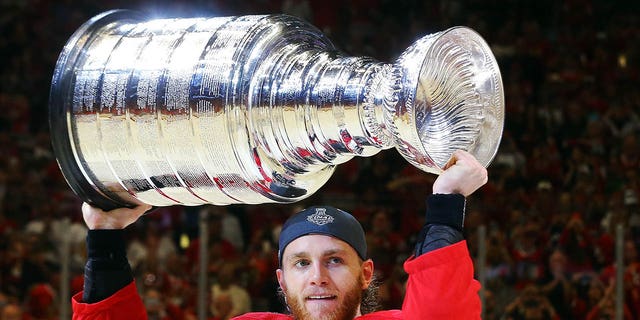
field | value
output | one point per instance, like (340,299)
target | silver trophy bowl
(256,109)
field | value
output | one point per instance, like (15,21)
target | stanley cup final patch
(320,217)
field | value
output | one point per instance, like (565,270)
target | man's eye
(301,263)
(335,260)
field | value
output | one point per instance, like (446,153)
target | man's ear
(367,273)
(280,276)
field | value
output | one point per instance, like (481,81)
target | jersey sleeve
(124,304)
(441,285)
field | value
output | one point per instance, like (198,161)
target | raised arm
(109,291)
(441,284)
(444,219)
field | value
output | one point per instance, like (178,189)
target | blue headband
(324,220)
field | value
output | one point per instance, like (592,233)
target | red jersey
(441,286)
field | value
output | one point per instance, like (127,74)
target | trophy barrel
(156,111)
(255,109)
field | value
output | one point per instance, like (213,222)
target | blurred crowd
(565,177)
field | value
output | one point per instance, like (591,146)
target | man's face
(323,278)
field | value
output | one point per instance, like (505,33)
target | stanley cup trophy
(256,109)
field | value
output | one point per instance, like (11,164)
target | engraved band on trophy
(255,109)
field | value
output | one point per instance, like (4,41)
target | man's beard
(347,310)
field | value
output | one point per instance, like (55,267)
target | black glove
(443,223)
(107,269)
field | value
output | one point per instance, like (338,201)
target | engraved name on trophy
(255,109)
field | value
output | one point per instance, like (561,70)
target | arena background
(565,176)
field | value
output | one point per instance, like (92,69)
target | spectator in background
(531,304)
(632,277)
(155,305)
(383,242)
(226,285)
(631,280)
(223,304)
(24,265)
(220,249)
(557,287)
(41,302)
(177,285)
(576,242)
(392,290)
(261,260)
(527,254)
(231,228)
(594,292)
(621,119)
(605,309)
(12,311)
(149,257)
(499,271)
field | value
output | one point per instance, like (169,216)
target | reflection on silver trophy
(256,109)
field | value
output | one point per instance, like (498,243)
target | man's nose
(319,275)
